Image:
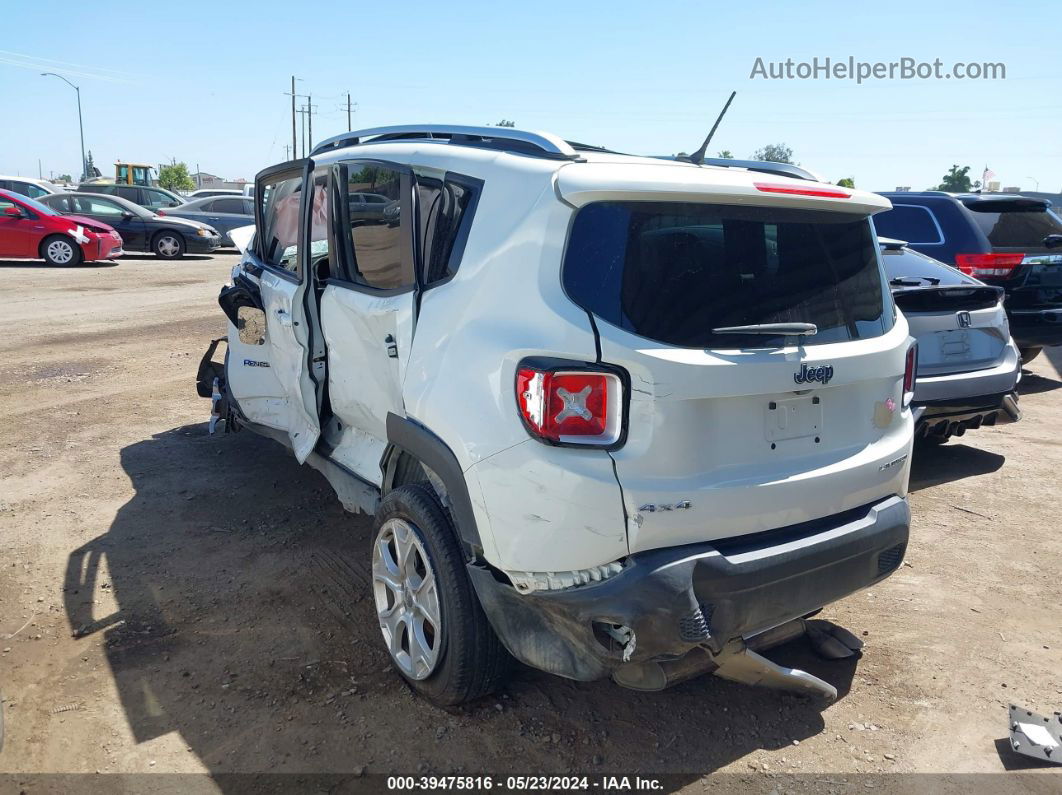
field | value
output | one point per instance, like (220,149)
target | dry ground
(176,602)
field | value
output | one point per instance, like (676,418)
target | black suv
(151,198)
(1004,239)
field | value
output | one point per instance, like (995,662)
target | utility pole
(350,126)
(286,150)
(40,172)
(294,136)
(302,113)
(293,113)
(80,126)
(309,117)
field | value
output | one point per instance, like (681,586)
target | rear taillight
(569,406)
(160,212)
(909,369)
(993,264)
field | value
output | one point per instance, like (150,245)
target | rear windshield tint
(908,265)
(673,272)
(1015,226)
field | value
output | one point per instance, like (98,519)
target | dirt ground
(173,602)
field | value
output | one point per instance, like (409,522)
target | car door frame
(366,463)
(291,343)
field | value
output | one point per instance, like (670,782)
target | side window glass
(375,234)
(278,241)
(227,206)
(910,222)
(319,220)
(132,194)
(444,210)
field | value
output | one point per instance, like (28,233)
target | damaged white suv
(615,416)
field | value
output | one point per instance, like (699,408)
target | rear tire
(168,245)
(60,251)
(1028,354)
(460,659)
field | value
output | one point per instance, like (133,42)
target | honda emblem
(964,319)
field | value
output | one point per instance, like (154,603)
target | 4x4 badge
(806,375)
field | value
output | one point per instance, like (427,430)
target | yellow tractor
(133,174)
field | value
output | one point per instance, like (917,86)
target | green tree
(726,154)
(775,153)
(505,123)
(175,177)
(66,178)
(957,180)
(846,182)
(90,166)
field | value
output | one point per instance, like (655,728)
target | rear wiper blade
(783,329)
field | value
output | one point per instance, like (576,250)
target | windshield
(673,272)
(36,206)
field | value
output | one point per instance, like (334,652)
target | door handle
(392,346)
(283,317)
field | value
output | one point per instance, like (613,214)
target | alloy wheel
(407,599)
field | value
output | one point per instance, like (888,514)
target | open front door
(289,219)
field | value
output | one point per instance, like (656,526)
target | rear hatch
(1025,226)
(737,433)
(958,321)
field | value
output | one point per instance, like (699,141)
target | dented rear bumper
(697,596)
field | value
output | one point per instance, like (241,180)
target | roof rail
(539,144)
(764,167)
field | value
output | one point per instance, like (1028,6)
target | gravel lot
(176,602)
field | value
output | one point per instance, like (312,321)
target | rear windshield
(673,272)
(1015,226)
(907,265)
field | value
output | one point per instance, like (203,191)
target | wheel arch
(50,235)
(410,440)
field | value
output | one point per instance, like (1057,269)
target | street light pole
(80,126)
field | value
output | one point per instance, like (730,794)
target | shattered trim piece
(530,581)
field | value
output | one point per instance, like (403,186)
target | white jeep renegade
(615,416)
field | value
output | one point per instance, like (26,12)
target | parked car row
(1008,240)
(142,230)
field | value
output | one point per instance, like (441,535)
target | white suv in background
(615,416)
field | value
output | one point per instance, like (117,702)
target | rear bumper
(1035,328)
(699,595)
(967,386)
(956,416)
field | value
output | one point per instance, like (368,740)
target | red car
(29,230)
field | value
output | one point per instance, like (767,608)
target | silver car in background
(224,213)
(968,365)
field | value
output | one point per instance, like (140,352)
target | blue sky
(204,82)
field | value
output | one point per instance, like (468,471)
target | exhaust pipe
(1010,411)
